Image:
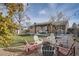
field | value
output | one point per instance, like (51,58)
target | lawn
(77,38)
(20,40)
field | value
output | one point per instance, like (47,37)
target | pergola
(51,26)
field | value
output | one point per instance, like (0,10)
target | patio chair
(61,51)
(38,40)
(51,38)
(30,47)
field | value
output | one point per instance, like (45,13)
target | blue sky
(41,12)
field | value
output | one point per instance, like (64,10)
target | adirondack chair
(30,47)
(38,40)
(51,38)
(61,51)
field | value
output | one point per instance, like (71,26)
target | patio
(20,50)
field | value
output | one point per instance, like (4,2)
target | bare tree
(22,19)
(52,19)
(59,16)
(74,25)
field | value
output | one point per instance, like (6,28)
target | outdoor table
(47,50)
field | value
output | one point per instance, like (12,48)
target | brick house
(50,27)
(58,23)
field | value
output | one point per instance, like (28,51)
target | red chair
(61,51)
(30,48)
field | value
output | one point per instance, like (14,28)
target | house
(57,24)
(50,27)
(74,30)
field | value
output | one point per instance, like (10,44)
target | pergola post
(50,28)
(73,51)
(35,27)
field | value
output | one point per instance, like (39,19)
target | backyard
(17,29)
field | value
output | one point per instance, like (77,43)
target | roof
(53,23)
(60,22)
(43,23)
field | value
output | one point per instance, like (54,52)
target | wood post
(48,28)
(73,51)
(51,27)
(57,51)
(35,27)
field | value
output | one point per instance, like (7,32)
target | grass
(1,46)
(20,40)
(77,39)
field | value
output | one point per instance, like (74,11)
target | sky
(41,12)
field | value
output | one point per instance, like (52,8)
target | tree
(6,29)
(21,19)
(52,19)
(60,16)
(74,25)
(16,10)
(13,8)
(26,21)
(7,26)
